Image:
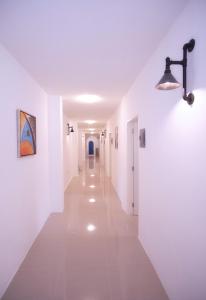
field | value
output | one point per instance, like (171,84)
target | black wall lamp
(168,82)
(104,133)
(69,129)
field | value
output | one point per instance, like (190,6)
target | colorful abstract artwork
(26,134)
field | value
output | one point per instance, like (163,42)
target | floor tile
(69,262)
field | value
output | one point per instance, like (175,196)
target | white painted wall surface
(70,151)
(172,176)
(102,151)
(56,172)
(81,149)
(24,192)
(108,150)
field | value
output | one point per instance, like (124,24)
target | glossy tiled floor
(90,252)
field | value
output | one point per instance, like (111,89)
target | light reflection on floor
(89,252)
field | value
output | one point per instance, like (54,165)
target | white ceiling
(85,46)
(97,126)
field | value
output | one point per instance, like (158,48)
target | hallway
(122,81)
(90,252)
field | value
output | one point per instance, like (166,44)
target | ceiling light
(92,175)
(87,98)
(90,122)
(92,200)
(168,82)
(91,227)
(91,129)
(92,186)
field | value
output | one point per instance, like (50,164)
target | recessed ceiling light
(92,200)
(91,227)
(92,175)
(90,122)
(88,98)
(92,186)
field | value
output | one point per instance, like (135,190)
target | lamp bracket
(69,128)
(188,47)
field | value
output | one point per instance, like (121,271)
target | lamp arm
(188,47)
(170,62)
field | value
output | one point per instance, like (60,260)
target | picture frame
(26,134)
(142,138)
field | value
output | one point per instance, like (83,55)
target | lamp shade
(167,82)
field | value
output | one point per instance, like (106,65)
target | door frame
(110,155)
(91,143)
(133,167)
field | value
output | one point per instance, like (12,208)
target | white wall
(24,192)
(55,135)
(81,149)
(172,177)
(70,151)
(107,152)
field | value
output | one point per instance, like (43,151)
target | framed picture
(26,134)
(142,139)
(116,138)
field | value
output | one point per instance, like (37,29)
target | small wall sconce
(103,134)
(168,82)
(69,129)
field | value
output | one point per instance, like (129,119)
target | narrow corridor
(89,252)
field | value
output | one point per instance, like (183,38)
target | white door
(133,145)
(135,168)
(110,155)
